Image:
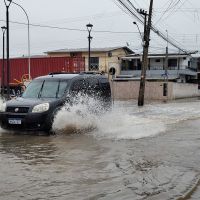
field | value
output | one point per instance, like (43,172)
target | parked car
(46,95)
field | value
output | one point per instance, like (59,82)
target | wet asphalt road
(117,164)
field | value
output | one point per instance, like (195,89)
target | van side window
(106,91)
(79,86)
(62,87)
(93,83)
(49,89)
(105,84)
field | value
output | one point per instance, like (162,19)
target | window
(93,87)
(189,63)
(94,63)
(198,80)
(133,64)
(49,89)
(157,60)
(45,89)
(75,54)
(172,63)
(105,84)
(61,89)
(79,86)
(33,89)
(109,54)
(93,83)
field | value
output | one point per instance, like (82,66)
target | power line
(112,32)
(192,10)
(171,6)
(127,10)
(71,29)
(172,12)
(133,11)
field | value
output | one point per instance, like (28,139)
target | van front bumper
(25,122)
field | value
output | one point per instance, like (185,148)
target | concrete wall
(182,90)
(125,90)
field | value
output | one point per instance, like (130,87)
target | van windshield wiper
(40,92)
(58,90)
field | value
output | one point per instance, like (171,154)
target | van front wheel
(51,120)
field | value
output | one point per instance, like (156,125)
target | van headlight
(3,107)
(41,108)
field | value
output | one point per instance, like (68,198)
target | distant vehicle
(46,95)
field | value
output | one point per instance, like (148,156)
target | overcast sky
(181,18)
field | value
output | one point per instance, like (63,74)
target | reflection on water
(28,149)
(119,159)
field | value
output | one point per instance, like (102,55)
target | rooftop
(159,55)
(105,49)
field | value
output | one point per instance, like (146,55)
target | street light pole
(138,30)
(29,50)
(8,50)
(3,64)
(89,28)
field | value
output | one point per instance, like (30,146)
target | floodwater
(128,153)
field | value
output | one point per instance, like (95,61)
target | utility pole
(198,73)
(4,28)
(147,28)
(8,53)
(165,86)
(8,50)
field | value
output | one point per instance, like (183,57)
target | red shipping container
(41,66)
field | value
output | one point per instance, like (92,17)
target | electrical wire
(71,29)
(171,5)
(173,10)
(132,10)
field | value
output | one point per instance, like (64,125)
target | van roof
(68,76)
(57,76)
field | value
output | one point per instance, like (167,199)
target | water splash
(79,117)
(123,125)
(125,120)
(121,122)
(1,102)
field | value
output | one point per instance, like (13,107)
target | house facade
(180,67)
(101,59)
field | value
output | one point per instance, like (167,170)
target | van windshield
(45,89)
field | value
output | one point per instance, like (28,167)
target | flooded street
(129,153)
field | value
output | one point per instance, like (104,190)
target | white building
(180,68)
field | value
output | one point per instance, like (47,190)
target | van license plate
(15,121)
